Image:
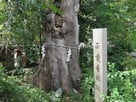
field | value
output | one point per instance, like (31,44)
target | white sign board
(100,63)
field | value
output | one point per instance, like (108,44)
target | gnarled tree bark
(61,36)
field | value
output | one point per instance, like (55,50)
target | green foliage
(53,7)
(116,17)
(87,88)
(119,18)
(121,85)
(129,63)
(13,90)
(22,23)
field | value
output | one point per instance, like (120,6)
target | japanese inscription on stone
(100,62)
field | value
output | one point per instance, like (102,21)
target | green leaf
(54,8)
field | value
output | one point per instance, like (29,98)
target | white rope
(57,45)
(81,45)
(69,53)
(43,51)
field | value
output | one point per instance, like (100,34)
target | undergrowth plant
(121,85)
(13,90)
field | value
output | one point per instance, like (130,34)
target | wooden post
(100,62)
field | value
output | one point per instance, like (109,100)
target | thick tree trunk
(59,67)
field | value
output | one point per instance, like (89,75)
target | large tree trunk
(61,37)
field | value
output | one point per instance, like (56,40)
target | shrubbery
(13,90)
(121,86)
